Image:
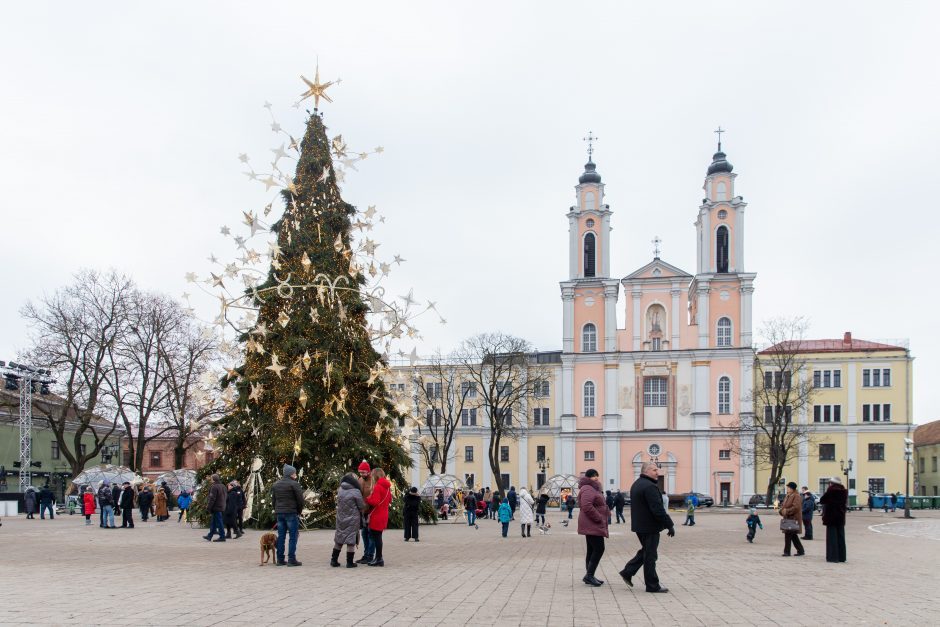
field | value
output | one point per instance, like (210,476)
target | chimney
(847,340)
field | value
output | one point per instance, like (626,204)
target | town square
(501,314)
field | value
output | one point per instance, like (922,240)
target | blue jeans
(505,529)
(287,523)
(368,546)
(42,510)
(471,516)
(216,526)
(570,512)
(108,512)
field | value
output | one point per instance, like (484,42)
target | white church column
(675,292)
(746,464)
(567,324)
(637,294)
(746,331)
(610,317)
(487,471)
(701,416)
(702,318)
(574,246)
(739,239)
(605,243)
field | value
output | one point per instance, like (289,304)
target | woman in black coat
(230,516)
(834,503)
(540,508)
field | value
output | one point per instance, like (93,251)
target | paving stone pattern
(64,573)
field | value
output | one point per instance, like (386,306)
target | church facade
(669,385)
(665,388)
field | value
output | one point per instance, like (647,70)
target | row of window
(876,452)
(469,389)
(589,336)
(156,457)
(503,453)
(871,412)
(933,464)
(871,378)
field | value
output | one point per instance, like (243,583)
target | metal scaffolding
(26,430)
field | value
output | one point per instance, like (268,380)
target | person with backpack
(505,515)
(106,502)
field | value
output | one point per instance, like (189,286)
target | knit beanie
(364,467)
(289,470)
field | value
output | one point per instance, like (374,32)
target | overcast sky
(121,123)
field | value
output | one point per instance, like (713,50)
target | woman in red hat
(380,499)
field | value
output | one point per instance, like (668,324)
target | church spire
(590,174)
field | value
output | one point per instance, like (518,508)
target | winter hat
(753,510)
(289,470)
(792,484)
(836,480)
(106,482)
(364,467)
(413,490)
(127,483)
(216,478)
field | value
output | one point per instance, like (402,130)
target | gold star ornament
(316,89)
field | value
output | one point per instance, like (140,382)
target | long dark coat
(30,501)
(349,508)
(834,503)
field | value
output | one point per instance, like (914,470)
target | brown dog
(268,542)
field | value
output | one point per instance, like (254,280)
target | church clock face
(724,295)
(654,450)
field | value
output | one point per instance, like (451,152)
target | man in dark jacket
(808,507)
(242,503)
(470,505)
(619,502)
(410,514)
(288,504)
(216,505)
(126,503)
(144,502)
(116,497)
(513,500)
(647,519)
(46,499)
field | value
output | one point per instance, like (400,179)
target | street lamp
(846,468)
(544,464)
(908,455)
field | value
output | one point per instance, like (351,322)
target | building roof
(927,434)
(847,344)
(590,174)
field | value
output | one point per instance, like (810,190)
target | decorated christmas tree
(309,391)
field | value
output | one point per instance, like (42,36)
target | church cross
(590,139)
(718,132)
(656,249)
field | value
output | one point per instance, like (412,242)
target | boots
(334,560)
(228,534)
(350,563)
(528,531)
(523,530)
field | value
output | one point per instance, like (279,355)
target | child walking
(88,501)
(689,514)
(753,522)
(505,515)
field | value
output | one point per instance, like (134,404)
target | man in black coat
(216,505)
(619,502)
(288,504)
(46,500)
(513,501)
(410,514)
(127,506)
(647,518)
(144,501)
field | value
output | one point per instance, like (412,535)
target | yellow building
(926,451)
(859,416)
(521,459)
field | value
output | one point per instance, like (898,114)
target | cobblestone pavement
(62,572)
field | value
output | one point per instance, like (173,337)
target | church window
(589,255)
(589,338)
(656,344)
(589,201)
(588,398)
(654,392)
(723,337)
(721,250)
(722,192)
(724,395)
(589,223)
(722,214)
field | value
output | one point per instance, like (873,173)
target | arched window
(589,338)
(589,201)
(724,395)
(722,192)
(588,398)
(723,337)
(721,250)
(589,254)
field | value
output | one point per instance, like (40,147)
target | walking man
(216,505)
(513,500)
(647,519)
(46,500)
(288,504)
(106,503)
(619,502)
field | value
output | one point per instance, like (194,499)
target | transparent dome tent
(94,475)
(178,480)
(448,484)
(556,485)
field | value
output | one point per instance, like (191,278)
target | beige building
(926,452)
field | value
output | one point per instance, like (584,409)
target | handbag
(788,524)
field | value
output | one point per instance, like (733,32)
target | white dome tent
(178,480)
(559,486)
(94,475)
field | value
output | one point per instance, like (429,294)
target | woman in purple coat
(592,523)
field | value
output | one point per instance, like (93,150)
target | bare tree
(506,378)
(72,333)
(782,393)
(443,393)
(137,379)
(192,398)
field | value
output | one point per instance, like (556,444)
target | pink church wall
(589,372)
(589,444)
(732,369)
(730,308)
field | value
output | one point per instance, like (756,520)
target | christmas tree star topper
(316,89)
